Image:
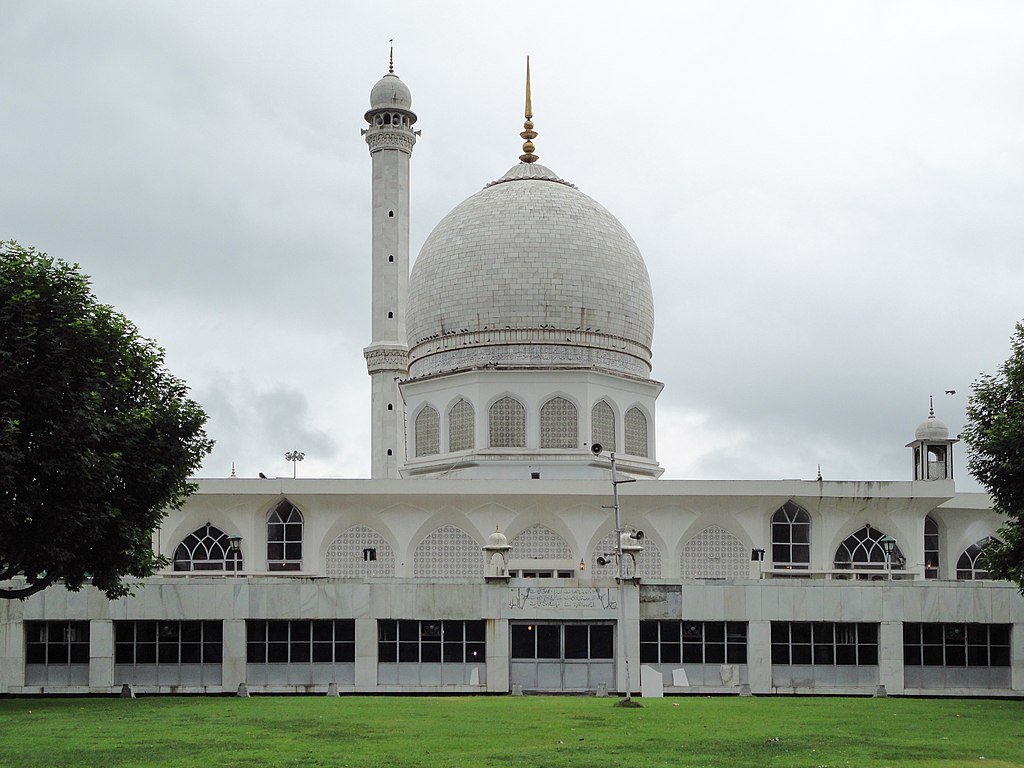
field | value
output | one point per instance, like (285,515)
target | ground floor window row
(693,642)
(271,641)
(295,641)
(56,642)
(419,641)
(824,643)
(168,642)
(563,641)
(956,645)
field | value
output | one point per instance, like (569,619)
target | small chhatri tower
(390,138)
(933,449)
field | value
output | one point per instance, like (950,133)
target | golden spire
(528,133)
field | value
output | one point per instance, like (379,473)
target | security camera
(596,448)
(602,560)
(638,535)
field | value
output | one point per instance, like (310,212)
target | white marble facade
(428,538)
(521,338)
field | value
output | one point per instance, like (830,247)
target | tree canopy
(995,435)
(97,438)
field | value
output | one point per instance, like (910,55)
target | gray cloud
(827,196)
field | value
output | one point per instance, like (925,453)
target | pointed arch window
(559,424)
(602,425)
(931,548)
(428,432)
(508,423)
(635,427)
(791,537)
(863,550)
(461,427)
(284,538)
(207,549)
(968,566)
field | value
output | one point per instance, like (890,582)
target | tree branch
(26,591)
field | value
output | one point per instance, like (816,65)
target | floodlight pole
(294,457)
(622,572)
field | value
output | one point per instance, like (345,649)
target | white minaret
(391,139)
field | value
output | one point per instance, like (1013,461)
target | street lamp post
(294,457)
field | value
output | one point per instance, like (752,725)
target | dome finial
(931,406)
(391,57)
(528,133)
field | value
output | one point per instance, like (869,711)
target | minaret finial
(931,406)
(391,57)
(528,133)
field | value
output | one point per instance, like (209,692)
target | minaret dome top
(390,93)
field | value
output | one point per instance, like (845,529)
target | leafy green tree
(995,435)
(97,438)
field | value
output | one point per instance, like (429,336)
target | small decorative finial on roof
(819,473)
(233,469)
(391,57)
(528,133)
(931,407)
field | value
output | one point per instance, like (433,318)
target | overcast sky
(829,198)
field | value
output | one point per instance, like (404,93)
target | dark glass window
(693,642)
(791,537)
(168,642)
(284,538)
(577,642)
(969,565)
(864,550)
(207,549)
(956,645)
(445,642)
(824,643)
(298,641)
(56,642)
(931,548)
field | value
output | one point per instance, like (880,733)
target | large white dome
(530,271)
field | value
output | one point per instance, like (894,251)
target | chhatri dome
(522,337)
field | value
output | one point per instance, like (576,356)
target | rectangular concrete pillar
(759,656)
(498,654)
(12,655)
(890,656)
(1017,657)
(101,655)
(627,638)
(233,665)
(366,655)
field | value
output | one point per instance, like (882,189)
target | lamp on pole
(294,457)
(235,550)
(888,544)
(597,449)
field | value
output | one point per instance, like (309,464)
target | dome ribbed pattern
(530,251)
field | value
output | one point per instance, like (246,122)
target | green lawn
(509,731)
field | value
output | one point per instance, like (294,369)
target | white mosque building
(510,383)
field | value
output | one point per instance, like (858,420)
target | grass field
(509,731)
